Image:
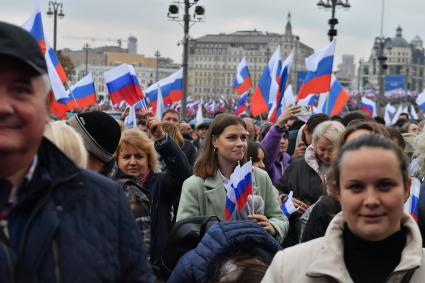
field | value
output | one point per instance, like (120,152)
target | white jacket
(322,259)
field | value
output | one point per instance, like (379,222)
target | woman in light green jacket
(204,193)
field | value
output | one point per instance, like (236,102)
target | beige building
(404,58)
(213,59)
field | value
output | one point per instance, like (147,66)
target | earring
(215,149)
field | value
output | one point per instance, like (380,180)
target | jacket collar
(329,260)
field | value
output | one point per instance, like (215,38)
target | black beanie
(100,132)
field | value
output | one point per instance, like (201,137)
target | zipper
(56,261)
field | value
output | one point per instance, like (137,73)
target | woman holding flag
(204,194)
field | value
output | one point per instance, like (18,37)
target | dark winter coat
(223,240)
(190,151)
(73,225)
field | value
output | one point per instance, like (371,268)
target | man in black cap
(59,223)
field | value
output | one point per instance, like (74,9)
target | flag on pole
(411,206)
(171,89)
(389,111)
(122,84)
(242,103)
(82,94)
(397,114)
(337,98)
(413,113)
(243,81)
(159,105)
(266,91)
(288,206)
(420,100)
(368,106)
(276,108)
(319,66)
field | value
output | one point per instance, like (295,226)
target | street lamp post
(86,49)
(380,44)
(198,16)
(57,11)
(332,4)
(157,55)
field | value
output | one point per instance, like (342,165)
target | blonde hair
(138,139)
(173,132)
(330,130)
(68,140)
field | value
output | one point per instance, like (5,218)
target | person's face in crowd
(185,129)
(414,129)
(403,117)
(356,134)
(172,118)
(23,113)
(133,161)
(283,147)
(231,144)
(202,132)
(308,137)
(372,192)
(323,150)
(260,162)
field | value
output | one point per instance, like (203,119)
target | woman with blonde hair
(136,157)
(68,140)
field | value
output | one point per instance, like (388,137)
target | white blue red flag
(242,104)
(238,188)
(368,106)
(411,206)
(288,206)
(389,110)
(420,100)
(336,99)
(171,89)
(243,81)
(319,71)
(267,89)
(160,107)
(82,94)
(122,84)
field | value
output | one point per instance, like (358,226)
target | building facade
(346,71)
(213,59)
(403,58)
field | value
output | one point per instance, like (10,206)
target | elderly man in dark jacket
(59,223)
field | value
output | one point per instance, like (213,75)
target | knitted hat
(100,132)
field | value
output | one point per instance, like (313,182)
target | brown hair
(366,141)
(207,163)
(173,132)
(138,139)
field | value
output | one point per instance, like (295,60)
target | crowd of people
(89,200)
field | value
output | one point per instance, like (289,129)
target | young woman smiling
(204,193)
(371,240)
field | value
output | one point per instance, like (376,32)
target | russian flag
(288,206)
(420,100)
(238,188)
(243,81)
(58,66)
(241,106)
(35,26)
(171,89)
(160,107)
(243,184)
(122,84)
(267,89)
(319,66)
(411,206)
(276,108)
(309,100)
(389,110)
(337,98)
(82,94)
(368,106)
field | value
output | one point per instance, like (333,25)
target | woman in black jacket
(136,156)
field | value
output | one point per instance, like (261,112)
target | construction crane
(119,41)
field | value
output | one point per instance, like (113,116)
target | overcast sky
(147,20)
